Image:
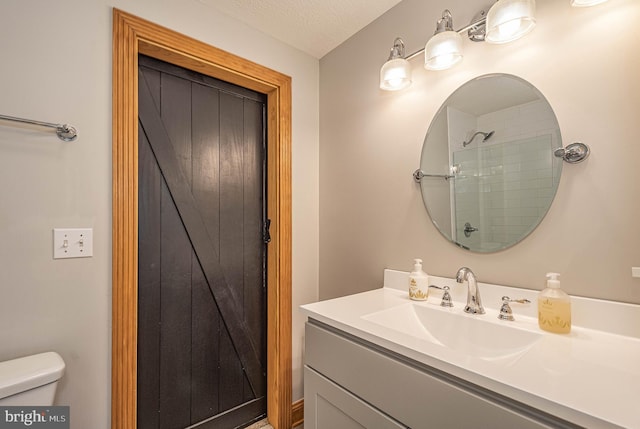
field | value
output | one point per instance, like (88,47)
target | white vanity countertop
(589,377)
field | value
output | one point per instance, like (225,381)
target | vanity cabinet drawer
(413,394)
(328,406)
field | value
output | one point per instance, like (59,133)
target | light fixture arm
(398,49)
(445,23)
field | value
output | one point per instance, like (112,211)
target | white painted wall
(584,60)
(56,67)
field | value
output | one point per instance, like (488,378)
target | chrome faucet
(474,303)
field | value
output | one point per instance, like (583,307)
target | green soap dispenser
(554,307)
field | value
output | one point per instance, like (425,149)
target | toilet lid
(22,374)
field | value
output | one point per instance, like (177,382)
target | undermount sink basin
(453,329)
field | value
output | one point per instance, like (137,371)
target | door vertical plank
(205,323)
(205,317)
(175,329)
(231,186)
(176,115)
(231,232)
(154,82)
(148,286)
(254,248)
(206,157)
(231,376)
(175,385)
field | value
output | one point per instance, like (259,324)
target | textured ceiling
(313,26)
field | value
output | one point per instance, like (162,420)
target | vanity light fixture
(509,20)
(395,74)
(586,3)
(506,21)
(444,49)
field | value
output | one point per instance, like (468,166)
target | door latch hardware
(266,235)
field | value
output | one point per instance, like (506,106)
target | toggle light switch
(72,243)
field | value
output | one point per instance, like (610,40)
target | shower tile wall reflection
(503,190)
(505,184)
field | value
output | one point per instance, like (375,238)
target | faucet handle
(505,310)
(446,296)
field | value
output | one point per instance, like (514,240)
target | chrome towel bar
(418,175)
(65,132)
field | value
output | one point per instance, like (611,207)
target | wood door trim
(133,36)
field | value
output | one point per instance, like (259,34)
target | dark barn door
(201,253)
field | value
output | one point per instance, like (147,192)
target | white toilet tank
(30,380)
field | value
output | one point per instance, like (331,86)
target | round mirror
(487,172)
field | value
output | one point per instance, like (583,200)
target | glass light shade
(586,3)
(443,51)
(509,20)
(395,74)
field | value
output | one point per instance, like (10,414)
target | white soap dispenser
(418,282)
(554,307)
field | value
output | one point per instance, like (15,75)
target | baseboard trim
(297,413)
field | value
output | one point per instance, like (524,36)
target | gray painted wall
(371,212)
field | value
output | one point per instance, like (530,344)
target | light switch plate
(72,243)
(635,272)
